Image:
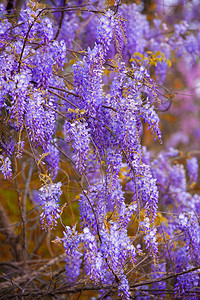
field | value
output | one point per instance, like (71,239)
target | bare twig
(27,277)
(53,93)
(60,22)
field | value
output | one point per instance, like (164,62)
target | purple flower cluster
(184,206)
(150,236)
(157,272)
(150,116)
(193,168)
(5,167)
(40,121)
(78,134)
(137,28)
(185,282)
(190,226)
(19,95)
(71,241)
(49,198)
(52,159)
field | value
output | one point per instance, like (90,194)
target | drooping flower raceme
(52,158)
(193,168)
(73,260)
(5,167)
(78,133)
(40,120)
(190,226)
(150,236)
(49,197)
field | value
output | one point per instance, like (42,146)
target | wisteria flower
(49,197)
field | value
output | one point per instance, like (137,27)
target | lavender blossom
(5,167)
(150,236)
(49,198)
(52,159)
(78,134)
(193,169)
(73,259)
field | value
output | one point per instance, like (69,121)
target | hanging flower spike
(5,168)
(150,236)
(49,198)
(52,158)
(73,259)
(80,137)
(193,168)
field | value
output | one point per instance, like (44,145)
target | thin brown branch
(78,287)
(33,275)
(63,90)
(56,94)
(60,22)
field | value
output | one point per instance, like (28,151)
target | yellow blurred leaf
(169,62)
(159,219)
(72,61)
(107,72)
